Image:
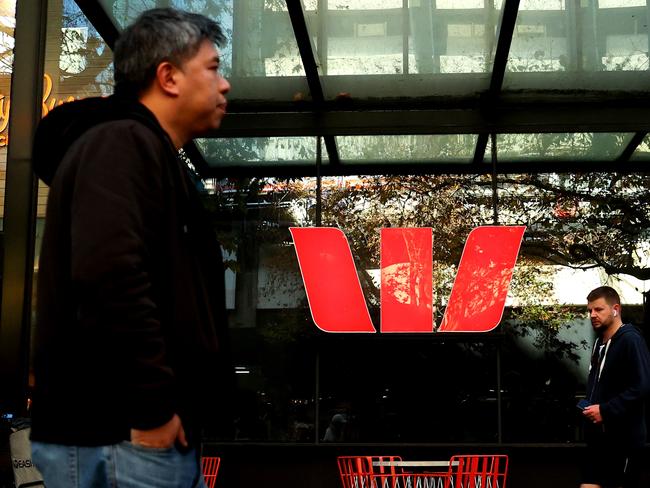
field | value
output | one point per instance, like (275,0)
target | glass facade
(303,385)
(585,227)
(78,64)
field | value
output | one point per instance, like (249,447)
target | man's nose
(224,86)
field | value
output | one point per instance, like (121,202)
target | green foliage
(537,313)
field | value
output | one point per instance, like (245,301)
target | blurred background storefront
(362,115)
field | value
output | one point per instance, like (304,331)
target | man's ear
(167,78)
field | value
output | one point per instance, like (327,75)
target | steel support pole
(20,202)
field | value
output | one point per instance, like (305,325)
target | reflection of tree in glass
(251,217)
(596,146)
(579,220)
(456,147)
(84,59)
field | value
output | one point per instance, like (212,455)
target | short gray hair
(156,36)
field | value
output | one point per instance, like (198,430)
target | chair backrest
(210,467)
(478,471)
(359,471)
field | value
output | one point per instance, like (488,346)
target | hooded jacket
(619,384)
(131,325)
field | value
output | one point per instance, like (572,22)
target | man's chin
(207,131)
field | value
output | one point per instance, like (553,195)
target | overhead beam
(504,40)
(481,145)
(303,39)
(290,170)
(632,146)
(310,66)
(503,118)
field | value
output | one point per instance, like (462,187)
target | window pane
(575,46)
(578,146)
(574,222)
(369,41)
(259,151)
(272,334)
(540,41)
(361,38)
(394,388)
(378,149)
(408,391)
(78,64)
(260,58)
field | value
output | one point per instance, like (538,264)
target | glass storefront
(78,64)
(301,385)
(582,230)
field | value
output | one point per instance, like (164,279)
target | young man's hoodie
(620,383)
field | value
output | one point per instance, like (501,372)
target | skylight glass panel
(259,151)
(407,149)
(576,45)
(559,146)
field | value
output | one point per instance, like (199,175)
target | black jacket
(621,390)
(131,324)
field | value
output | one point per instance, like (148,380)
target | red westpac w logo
(477,298)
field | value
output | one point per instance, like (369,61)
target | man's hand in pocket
(163,437)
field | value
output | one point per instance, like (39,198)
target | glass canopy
(425,82)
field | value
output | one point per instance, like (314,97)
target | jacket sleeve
(116,212)
(638,381)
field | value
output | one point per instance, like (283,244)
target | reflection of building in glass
(363,37)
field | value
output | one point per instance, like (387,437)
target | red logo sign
(477,298)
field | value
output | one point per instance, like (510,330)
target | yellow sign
(48,104)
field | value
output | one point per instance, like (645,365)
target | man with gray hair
(131,321)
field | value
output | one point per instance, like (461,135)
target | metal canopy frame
(493,112)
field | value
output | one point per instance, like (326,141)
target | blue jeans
(122,465)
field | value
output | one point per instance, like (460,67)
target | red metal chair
(410,480)
(477,471)
(359,471)
(210,467)
(364,472)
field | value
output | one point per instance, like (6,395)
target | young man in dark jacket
(618,383)
(130,356)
